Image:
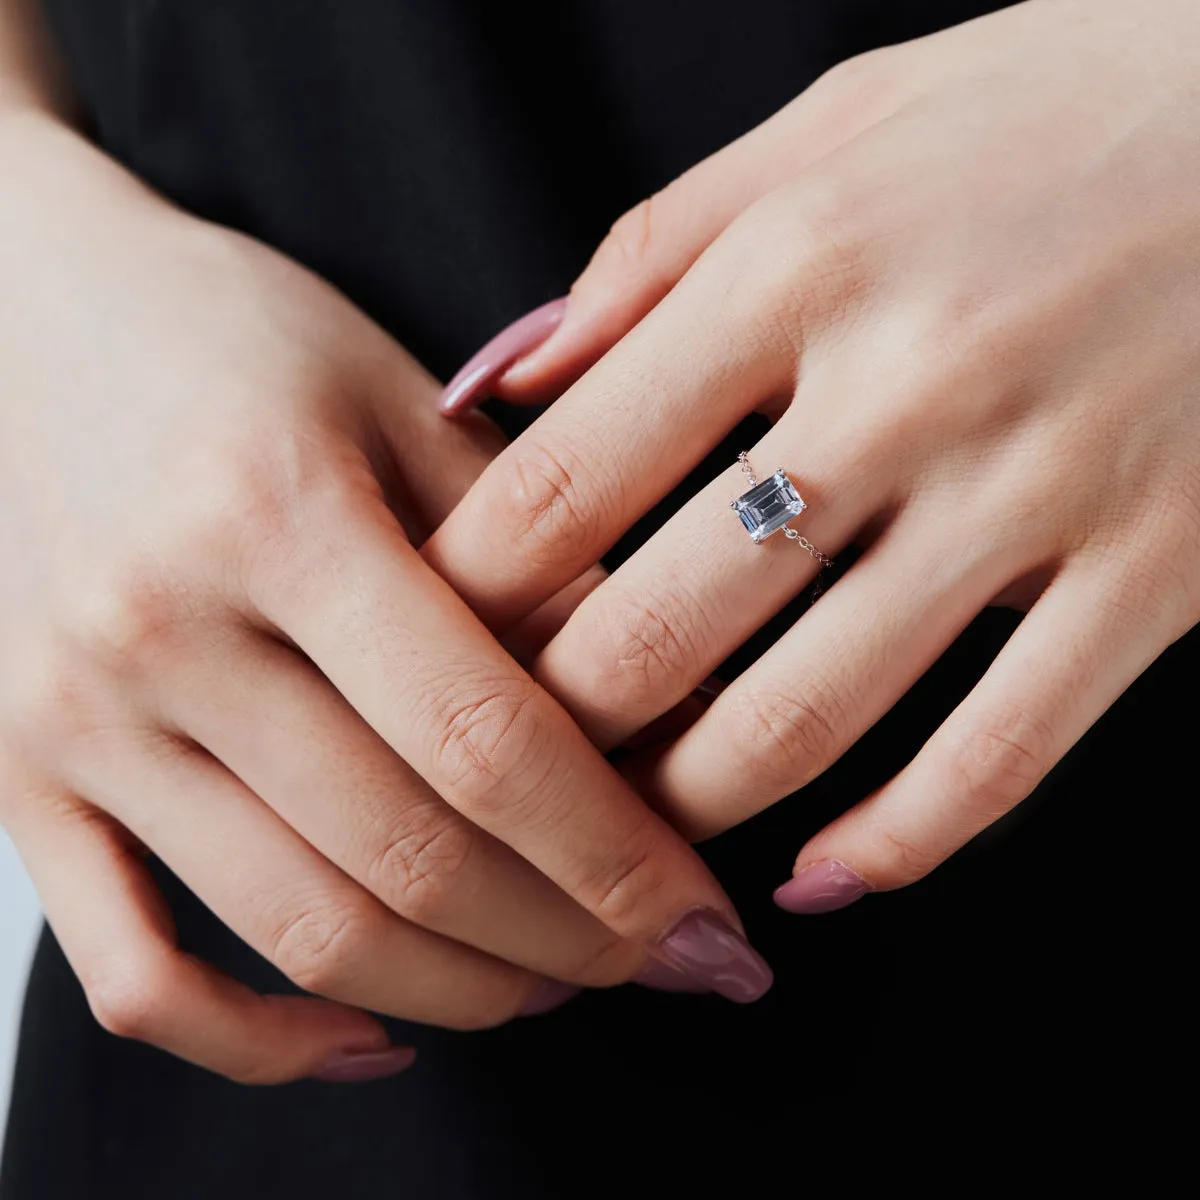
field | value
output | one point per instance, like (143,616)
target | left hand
(965,275)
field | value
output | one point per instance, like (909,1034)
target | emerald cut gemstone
(769,506)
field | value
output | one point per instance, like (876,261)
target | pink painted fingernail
(711,952)
(548,996)
(824,887)
(472,383)
(662,978)
(362,1066)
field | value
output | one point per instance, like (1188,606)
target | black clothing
(451,164)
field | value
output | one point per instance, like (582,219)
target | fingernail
(548,996)
(824,887)
(707,950)
(472,383)
(361,1066)
(662,978)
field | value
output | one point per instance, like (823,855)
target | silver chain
(788,532)
(744,462)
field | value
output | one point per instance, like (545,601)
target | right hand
(219,643)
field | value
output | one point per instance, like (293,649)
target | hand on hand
(964,276)
(220,644)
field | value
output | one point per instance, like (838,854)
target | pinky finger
(1067,663)
(115,930)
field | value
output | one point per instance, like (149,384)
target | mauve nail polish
(473,381)
(703,947)
(548,996)
(662,978)
(824,887)
(362,1066)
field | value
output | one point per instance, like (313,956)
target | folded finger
(279,726)
(421,669)
(287,901)
(114,928)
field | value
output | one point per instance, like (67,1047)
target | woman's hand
(219,643)
(965,275)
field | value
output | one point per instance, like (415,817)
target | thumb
(652,246)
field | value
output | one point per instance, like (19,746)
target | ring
(768,507)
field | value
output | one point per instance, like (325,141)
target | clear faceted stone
(769,506)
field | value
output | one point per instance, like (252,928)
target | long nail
(362,1066)
(662,978)
(707,950)
(548,996)
(824,887)
(473,382)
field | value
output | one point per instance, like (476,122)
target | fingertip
(365,1066)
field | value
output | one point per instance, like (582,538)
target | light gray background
(19,922)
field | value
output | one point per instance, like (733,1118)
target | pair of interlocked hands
(346,664)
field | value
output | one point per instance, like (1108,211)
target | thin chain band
(788,532)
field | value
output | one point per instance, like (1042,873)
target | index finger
(423,671)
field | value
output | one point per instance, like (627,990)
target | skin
(221,645)
(963,275)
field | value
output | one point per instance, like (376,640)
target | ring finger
(700,587)
(114,928)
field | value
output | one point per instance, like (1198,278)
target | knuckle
(790,738)
(631,642)
(128,1003)
(629,243)
(418,864)
(319,947)
(1156,582)
(799,261)
(858,86)
(621,889)
(608,962)
(49,698)
(905,860)
(485,732)
(996,763)
(554,520)
(288,524)
(128,617)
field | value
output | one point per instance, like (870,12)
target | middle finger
(279,726)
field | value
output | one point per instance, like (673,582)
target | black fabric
(450,164)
